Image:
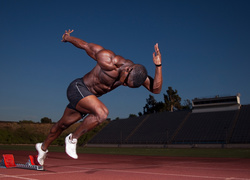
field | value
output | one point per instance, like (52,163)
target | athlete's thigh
(90,104)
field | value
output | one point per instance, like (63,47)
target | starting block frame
(8,161)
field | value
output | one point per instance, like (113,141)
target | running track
(119,167)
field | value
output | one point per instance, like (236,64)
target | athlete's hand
(67,33)
(157,55)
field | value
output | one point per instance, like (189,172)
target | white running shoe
(70,146)
(41,153)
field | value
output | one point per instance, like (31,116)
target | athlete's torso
(105,76)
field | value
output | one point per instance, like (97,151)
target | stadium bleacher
(212,127)
(181,127)
(158,128)
(241,133)
(117,131)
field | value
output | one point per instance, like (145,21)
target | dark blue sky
(204,45)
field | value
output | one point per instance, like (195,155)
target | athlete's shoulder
(106,53)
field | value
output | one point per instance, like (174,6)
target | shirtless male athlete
(110,72)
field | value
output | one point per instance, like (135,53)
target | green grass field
(194,152)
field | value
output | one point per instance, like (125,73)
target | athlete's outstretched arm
(90,48)
(155,85)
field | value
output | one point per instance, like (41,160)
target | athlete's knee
(59,126)
(55,128)
(64,126)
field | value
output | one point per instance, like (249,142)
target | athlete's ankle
(44,149)
(72,137)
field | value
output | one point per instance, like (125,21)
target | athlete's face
(126,79)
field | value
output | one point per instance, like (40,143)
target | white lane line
(17,177)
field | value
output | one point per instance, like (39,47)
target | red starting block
(9,162)
(33,160)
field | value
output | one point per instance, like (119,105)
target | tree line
(171,102)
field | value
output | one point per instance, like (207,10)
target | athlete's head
(136,76)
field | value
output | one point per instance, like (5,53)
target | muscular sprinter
(111,71)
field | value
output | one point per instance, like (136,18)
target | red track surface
(118,167)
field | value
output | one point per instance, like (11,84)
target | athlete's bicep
(93,49)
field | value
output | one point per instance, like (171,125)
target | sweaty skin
(111,71)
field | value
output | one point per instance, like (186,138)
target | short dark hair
(139,75)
